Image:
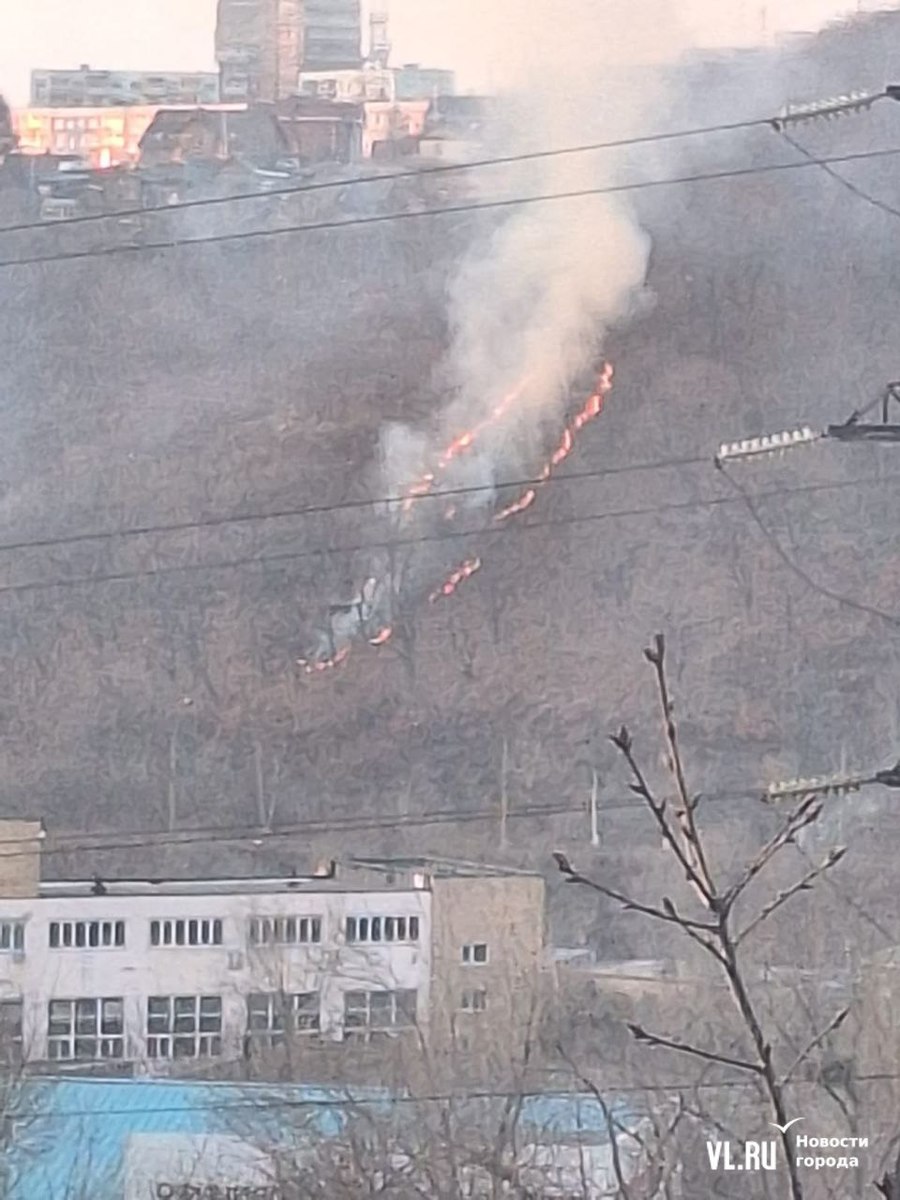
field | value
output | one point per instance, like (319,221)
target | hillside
(148,390)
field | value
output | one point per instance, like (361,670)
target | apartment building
(262,45)
(156,972)
(103,137)
(83,86)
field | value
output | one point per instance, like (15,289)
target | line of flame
(465,571)
(464,442)
(592,408)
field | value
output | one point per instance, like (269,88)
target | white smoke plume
(536,301)
(531,304)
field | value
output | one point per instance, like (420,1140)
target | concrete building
(357,84)
(7,134)
(262,45)
(331,34)
(391,129)
(102,137)
(130,1139)
(322,130)
(249,133)
(153,973)
(100,89)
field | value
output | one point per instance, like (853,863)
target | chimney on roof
(325,869)
(20,858)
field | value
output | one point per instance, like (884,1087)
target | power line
(519,528)
(138,839)
(348,505)
(145,839)
(269,1101)
(416,173)
(448,210)
(822,589)
(852,187)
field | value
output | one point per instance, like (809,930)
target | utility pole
(851,430)
(595,787)
(504,792)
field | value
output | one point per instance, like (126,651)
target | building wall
(97,89)
(104,137)
(506,915)
(413,82)
(262,45)
(348,86)
(386,122)
(232,970)
(20,858)
(246,45)
(331,34)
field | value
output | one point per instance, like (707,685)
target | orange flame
(325,664)
(455,578)
(461,444)
(591,408)
(525,501)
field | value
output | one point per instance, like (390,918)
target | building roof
(440,868)
(351,875)
(299,108)
(74,1133)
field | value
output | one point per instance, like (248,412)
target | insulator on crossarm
(770,443)
(826,785)
(836,106)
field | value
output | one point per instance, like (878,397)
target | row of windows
(92,934)
(201,931)
(93,1028)
(377,929)
(190,932)
(284,931)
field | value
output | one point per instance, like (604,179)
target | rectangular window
(86,1029)
(475,953)
(381,929)
(90,935)
(12,935)
(284,931)
(367,1014)
(191,932)
(11,1031)
(184,1026)
(474,1001)
(273,1016)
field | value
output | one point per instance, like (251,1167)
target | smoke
(537,296)
(532,303)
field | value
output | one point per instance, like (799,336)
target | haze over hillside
(260,377)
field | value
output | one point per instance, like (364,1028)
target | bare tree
(719,917)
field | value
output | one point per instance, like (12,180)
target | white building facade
(150,972)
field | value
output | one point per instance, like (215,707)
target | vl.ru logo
(756,1156)
(751,1156)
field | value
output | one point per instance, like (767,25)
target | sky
(178,34)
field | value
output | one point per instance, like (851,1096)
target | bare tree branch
(666,913)
(802,885)
(653,1039)
(808,811)
(656,656)
(836,1021)
(622,742)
